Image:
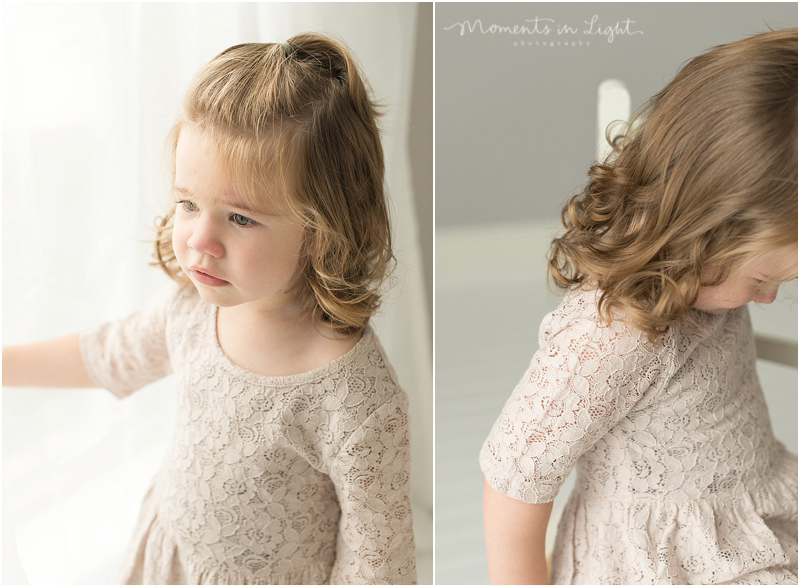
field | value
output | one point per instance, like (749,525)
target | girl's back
(673,447)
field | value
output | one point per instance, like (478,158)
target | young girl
(645,378)
(289,461)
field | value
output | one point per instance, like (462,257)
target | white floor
(490,300)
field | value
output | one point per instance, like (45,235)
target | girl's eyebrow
(764,277)
(237,205)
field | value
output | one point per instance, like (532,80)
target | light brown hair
(296,121)
(705,178)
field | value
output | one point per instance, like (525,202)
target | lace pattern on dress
(279,480)
(679,478)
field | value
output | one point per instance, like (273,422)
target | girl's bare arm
(514,532)
(55,362)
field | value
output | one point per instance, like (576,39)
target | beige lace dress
(268,480)
(679,477)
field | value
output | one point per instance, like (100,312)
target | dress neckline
(211,315)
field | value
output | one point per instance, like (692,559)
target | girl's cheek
(178,239)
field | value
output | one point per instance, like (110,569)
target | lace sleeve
(584,379)
(127,354)
(375,543)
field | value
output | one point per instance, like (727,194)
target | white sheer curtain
(89,92)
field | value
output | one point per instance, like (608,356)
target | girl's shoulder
(575,333)
(368,361)
(361,385)
(182,313)
(577,303)
(577,315)
(577,323)
(179,301)
(346,399)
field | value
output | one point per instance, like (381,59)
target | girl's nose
(766,297)
(204,239)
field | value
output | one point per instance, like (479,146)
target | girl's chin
(212,296)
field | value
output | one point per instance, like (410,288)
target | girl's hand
(514,533)
(48,363)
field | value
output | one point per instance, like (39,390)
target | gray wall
(420,139)
(515,125)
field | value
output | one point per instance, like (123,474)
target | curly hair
(703,180)
(297,115)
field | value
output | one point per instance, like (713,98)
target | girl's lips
(207,279)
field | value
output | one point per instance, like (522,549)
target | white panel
(613,103)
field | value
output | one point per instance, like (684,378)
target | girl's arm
(120,356)
(514,533)
(48,363)
(375,544)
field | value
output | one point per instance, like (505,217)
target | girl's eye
(189,206)
(242,220)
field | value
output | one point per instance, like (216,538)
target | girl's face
(757,282)
(232,254)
